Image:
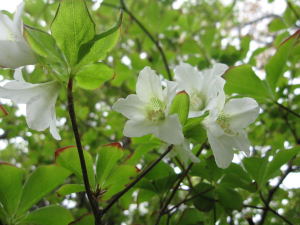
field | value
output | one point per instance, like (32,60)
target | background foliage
(199,32)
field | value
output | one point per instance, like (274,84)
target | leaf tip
(60,150)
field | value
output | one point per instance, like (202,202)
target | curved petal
(18,24)
(217,70)
(188,78)
(170,130)
(139,128)
(185,154)
(131,107)
(53,129)
(169,93)
(242,112)
(148,85)
(15,54)
(222,148)
(242,142)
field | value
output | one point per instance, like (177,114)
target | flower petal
(242,112)
(18,24)
(53,129)
(218,69)
(148,85)
(222,148)
(131,107)
(170,130)
(242,142)
(139,128)
(188,78)
(169,93)
(185,154)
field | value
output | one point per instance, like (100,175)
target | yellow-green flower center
(156,110)
(224,123)
(198,101)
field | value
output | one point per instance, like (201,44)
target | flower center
(156,110)
(198,101)
(223,122)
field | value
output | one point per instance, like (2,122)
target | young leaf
(72,27)
(229,198)
(180,106)
(97,48)
(43,44)
(93,76)
(11,184)
(108,156)
(50,215)
(275,67)
(41,182)
(242,80)
(68,158)
(69,189)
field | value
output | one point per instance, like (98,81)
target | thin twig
(147,32)
(288,109)
(91,197)
(183,175)
(143,174)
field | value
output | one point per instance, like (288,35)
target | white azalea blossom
(14,51)
(148,109)
(40,101)
(226,127)
(185,153)
(202,86)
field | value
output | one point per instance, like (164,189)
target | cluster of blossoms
(148,111)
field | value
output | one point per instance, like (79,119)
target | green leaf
(229,198)
(205,197)
(69,189)
(279,160)
(108,156)
(11,182)
(50,215)
(118,179)
(276,25)
(84,220)
(43,44)
(93,76)
(256,168)
(276,65)
(102,43)
(180,106)
(235,176)
(41,182)
(68,158)
(72,27)
(242,80)
(3,111)
(191,217)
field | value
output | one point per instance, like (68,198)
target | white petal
(185,154)
(242,112)
(53,129)
(222,148)
(131,107)
(18,76)
(148,85)
(217,70)
(139,128)
(242,142)
(18,24)
(15,54)
(188,78)
(169,93)
(170,130)
(39,109)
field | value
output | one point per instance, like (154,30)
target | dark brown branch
(271,195)
(143,174)
(91,197)
(147,32)
(183,175)
(288,109)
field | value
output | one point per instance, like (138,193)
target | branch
(147,32)
(184,174)
(143,174)
(91,197)
(288,109)
(271,195)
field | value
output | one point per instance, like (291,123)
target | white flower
(40,101)
(226,127)
(148,110)
(185,153)
(14,51)
(202,86)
